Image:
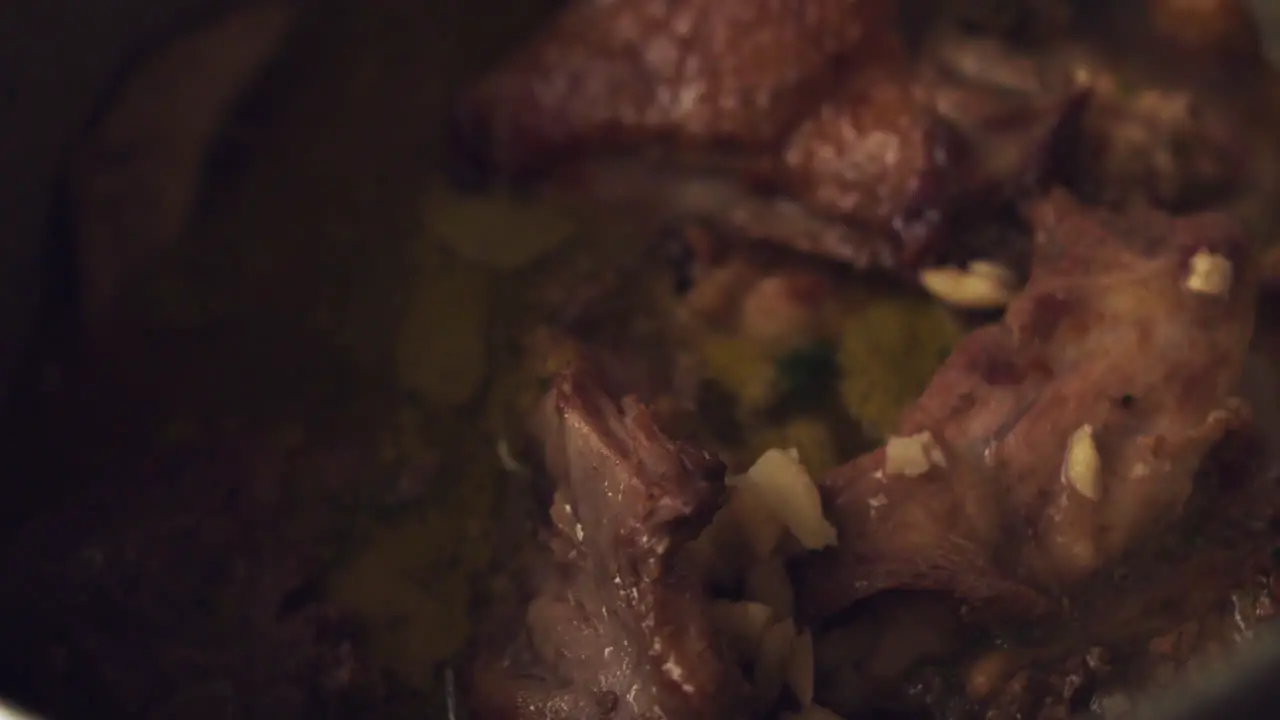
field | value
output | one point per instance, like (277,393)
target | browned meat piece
(1178,113)
(619,628)
(1051,442)
(704,70)
(874,177)
(904,150)
(865,166)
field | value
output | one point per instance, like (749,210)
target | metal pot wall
(59,57)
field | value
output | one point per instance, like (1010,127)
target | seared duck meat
(619,625)
(1051,442)
(814,128)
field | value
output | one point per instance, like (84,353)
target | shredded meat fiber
(619,626)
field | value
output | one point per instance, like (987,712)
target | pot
(114,578)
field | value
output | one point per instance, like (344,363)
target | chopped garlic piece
(508,460)
(800,669)
(993,271)
(1209,274)
(769,583)
(983,285)
(742,624)
(502,232)
(912,455)
(783,487)
(1233,410)
(755,516)
(771,662)
(1082,466)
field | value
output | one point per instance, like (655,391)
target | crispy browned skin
(618,628)
(1106,337)
(812,128)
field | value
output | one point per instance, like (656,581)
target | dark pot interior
(225,503)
